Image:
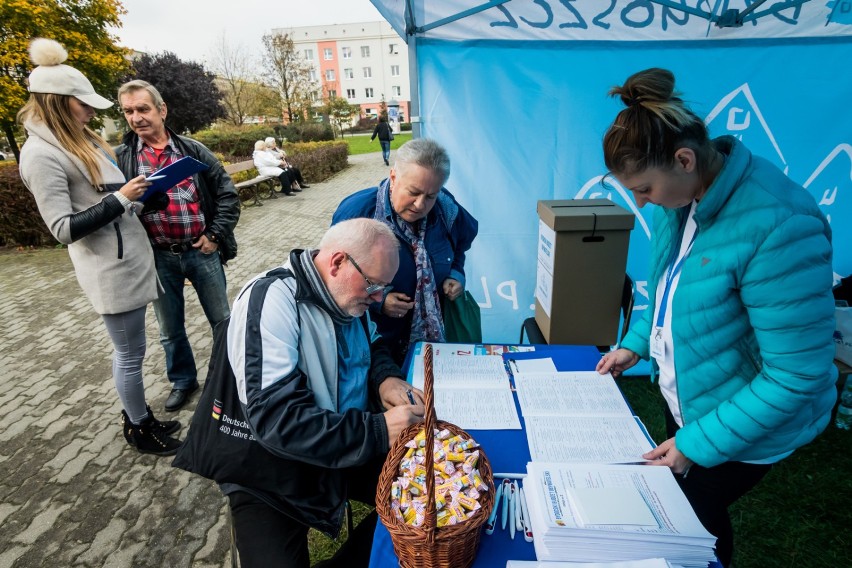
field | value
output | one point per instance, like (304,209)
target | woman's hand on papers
(397,304)
(668,455)
(616,362)
(135,188)
(394,392)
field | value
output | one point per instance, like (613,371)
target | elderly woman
(434,232)
(272,148)
(268,164)
(88,205)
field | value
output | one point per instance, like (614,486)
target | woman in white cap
(88,205)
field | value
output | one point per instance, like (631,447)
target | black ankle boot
(149,436)
(164,427)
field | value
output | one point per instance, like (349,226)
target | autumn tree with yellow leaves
(79,25)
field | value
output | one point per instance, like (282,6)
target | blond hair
(54,111)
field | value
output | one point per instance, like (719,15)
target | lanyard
(674,269)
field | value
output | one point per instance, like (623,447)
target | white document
(611,506)
(648,563)
(473,392)
(543,365)
(600,439)
(570,393)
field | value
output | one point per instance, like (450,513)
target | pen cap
(429,546)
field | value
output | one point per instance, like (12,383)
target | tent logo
(841,12)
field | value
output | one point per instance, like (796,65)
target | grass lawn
(799,516)
(362,144)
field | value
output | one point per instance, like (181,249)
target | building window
(348,74)
(365,51)
(332,94)
(394,70)
(368,72)
(329,74)
(397,91)
(347,52)
(393,49)
(312,74)
(328,54)
(369,92)
(350,93)
(315,96)
(309,54)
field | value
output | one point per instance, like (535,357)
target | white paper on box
(544,273)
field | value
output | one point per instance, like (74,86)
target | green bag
(462,321)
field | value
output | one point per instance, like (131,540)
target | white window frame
(348,73)
(350,94)
(369,92)
(328,54)
(368,72)
(394,70)
(365,51)
(346,52)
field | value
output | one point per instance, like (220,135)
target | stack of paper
(579,417)
(610,513)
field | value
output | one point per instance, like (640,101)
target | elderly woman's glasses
(371,287)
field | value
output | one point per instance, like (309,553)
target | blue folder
(168,177)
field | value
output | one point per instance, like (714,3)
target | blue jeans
(385,149)
(208,278)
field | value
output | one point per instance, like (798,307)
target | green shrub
(405,126)
(235,143)
(20,221)
(305,132)
(318,160)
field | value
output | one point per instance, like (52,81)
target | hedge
(318,160)
(20,222)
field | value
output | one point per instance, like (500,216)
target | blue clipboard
(168,177)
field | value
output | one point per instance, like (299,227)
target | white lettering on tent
(508,290)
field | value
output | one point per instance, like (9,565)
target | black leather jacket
(219,198)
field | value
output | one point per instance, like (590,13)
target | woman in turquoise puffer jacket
(743,316)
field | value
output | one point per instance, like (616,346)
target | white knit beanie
(52,77)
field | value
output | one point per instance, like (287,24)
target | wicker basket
(428,546)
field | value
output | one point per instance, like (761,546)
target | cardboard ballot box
(582,259)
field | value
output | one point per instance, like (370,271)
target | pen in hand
(410,397)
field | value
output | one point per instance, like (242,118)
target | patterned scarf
(306,266)
(427,323)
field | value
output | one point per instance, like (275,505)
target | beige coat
(114,264)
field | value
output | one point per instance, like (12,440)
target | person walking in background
(268,164)
(385,133)
(317,392)
(193,237)
(272,147)
(88,205)
(434,233)
(742,314)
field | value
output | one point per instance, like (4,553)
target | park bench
(251,188)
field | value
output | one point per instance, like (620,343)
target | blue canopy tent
(516,91)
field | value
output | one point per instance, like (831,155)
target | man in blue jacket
(434,233)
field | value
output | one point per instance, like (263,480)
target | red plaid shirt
(183,219)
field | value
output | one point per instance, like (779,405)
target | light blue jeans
(127,332)
(385,149)
(207,276)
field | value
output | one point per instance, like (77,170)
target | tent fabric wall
(523,121)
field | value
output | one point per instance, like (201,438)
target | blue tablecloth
(508,452)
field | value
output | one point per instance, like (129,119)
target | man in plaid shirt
(192,233)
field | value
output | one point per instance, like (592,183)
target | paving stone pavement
(72,492)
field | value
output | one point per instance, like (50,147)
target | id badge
(658,346)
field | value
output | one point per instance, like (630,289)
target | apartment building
(359,62)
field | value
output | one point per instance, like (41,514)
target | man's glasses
(371,288)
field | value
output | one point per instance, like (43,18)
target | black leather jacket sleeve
(90,220)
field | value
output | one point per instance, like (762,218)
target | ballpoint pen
(492,518)
(410,397)
(528,534)
(504,515)
(513,508)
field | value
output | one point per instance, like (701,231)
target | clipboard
(168,177)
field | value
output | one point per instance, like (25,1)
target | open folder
(171,175)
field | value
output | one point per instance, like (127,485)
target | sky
(191,28)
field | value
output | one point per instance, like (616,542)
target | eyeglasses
(371,287)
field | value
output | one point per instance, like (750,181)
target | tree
(190,92)
(243,95)
(290,74)
(340,112)
(80,26)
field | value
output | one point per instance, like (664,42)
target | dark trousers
(711,490)
(286,178)
(268,538)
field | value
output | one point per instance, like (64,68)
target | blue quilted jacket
(752,316)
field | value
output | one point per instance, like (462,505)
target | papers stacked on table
(579,417)
(613,512)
